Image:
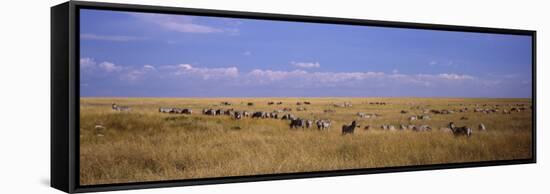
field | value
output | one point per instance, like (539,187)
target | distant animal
(226,103)
(116,107)
(279,103)
(288,117)
(270,103)
(349,129)
(424,117)
(460,130)
(307,102)
(368,127)
(295,123)
(259,114)
(301,109)
(238,115)
(309,123)
(329,111)
(250,104)
(323,124)
(298,103)
(287,109)
(412,118)
(165,110)
(463,118)
(482,127)
(209,112)
(404,112)
(422,128)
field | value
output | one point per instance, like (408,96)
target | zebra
(349,128)
(120,108)
(165,110)
(460,130)
(323,124)
(295,123)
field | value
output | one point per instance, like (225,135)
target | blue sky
(126,54)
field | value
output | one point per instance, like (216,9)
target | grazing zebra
(309,123)
(349,128)
(323,124)
(238,115)
(295,123)
(288,117)
(120,108)
(460,130)
(165,110)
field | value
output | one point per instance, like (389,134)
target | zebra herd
(325,124)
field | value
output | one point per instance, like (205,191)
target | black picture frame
(65,95)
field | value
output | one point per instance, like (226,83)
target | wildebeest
(286,109)
(307,102)
(460,130)
(250,104)
(298,103)
(226,103)
(116,107)
(404,112)
(329,111)
(295,123)
(279,103)
(323,124)
(349,128)
(270,103)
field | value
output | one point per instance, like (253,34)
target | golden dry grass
(145,145)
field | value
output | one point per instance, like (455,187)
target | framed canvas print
(149,96)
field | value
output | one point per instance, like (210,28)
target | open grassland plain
(143,144)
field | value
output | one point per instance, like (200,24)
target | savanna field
(145,145)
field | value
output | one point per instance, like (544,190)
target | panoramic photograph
(178,97)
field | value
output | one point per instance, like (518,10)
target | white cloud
(453,76)
(179,23)
(109,67)
(115,38)
(306,64)
(87,63)
(203,72)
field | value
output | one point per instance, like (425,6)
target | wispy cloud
(306,64)
(115,38)
(185,24)
(188,70)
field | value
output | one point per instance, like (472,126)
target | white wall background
(25,96)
